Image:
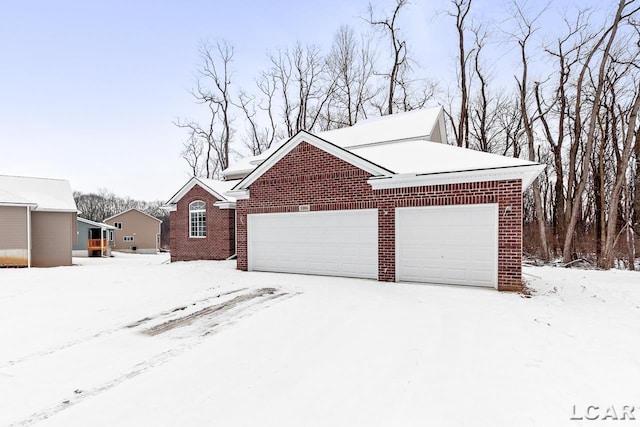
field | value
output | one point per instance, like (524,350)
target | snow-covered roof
(435,162)
(398,150)
(96,224)
(407,126)
(410,163)
(215,187)
(410,125)
(220,187)
(43,194)
(432,157)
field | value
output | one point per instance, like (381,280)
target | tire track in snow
(241,308)
(106,332)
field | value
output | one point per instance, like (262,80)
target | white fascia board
(169,208)
(237,174)
(326,146)
(225,205)
(55,210)
(238,194)
(526,173)
(442,125)
(188,186)
(21,205)
(96,224)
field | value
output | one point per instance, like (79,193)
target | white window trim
(118,225)
(124,239)
(204,210)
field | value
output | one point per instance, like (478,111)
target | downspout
(28,237)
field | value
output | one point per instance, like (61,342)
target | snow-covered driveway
(134,341)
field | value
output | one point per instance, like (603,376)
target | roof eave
(189,185)
(75,211)
(19,204)
(169,208)
(225,205)
(526,173)
(238,194)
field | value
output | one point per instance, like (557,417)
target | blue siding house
(94,239)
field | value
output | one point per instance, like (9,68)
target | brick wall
(305,176)
(310,176)
(505,193)
(220,240)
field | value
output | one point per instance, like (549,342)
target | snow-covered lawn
(135,341)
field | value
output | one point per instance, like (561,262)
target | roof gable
(130,210)
(411,125)
(317,142)
(214,187)
(425,124)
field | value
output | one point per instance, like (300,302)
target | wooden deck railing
(94,244)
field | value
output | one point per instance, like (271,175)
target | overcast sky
(89,90)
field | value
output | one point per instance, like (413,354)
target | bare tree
(303,85)
(389,26)
(525,31)
(485,108)
(629,134)
(566,51)
(351,67)
(461,128)
(575,202)
(259,138)
(213,89)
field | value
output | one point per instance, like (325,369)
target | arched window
(197,219)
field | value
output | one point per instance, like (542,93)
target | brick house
(409,209)
(202,221)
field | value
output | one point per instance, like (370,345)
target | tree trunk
(621,177)
(577,197)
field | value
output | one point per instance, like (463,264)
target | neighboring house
(37,222)
(202,221)
(385,199)
(135,231)
(94,239)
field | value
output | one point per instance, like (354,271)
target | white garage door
(331,243)
(448,244)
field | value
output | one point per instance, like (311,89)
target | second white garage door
(332,243)
(448,244)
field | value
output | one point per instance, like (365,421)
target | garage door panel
(481,256)
(447,244)
(456,274)
(336,243)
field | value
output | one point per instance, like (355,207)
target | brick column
(386,241)
(510,236)
(241,234)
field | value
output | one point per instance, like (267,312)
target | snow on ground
(133,340)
